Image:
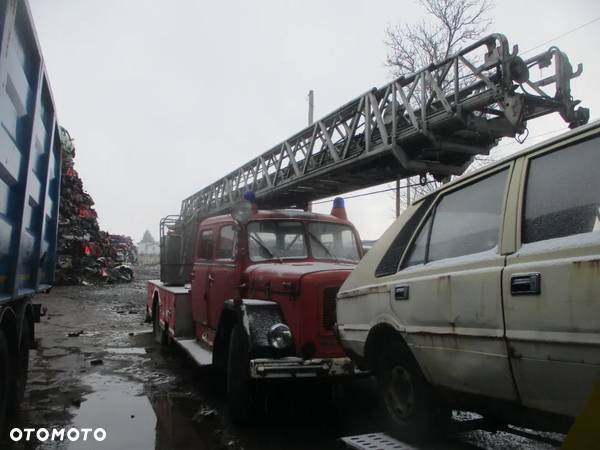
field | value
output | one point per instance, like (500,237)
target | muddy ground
(96,365)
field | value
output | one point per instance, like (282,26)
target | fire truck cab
(261,302)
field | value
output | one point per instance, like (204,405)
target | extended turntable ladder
(433,121)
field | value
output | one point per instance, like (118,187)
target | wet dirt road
(96,365)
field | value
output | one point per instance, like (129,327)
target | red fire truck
(252,291)
(261,301)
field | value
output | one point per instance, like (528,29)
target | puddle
(133,422)
(121,409)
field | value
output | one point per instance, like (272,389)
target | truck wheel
(160,335)
(406,396)
(21,367)
(5,365)
(241,389)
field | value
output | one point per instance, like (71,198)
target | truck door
(551,284)
(224,273)
(200,278)
(448,291)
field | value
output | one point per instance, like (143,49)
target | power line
(508,144)
(572,30)
(369,193)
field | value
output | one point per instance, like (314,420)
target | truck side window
(562,195)
(205,246)
(390,261)
(466,221)
(227,243)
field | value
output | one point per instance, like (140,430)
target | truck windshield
(276,239)
(332,241)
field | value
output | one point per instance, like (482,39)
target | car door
(224,273)
(200,281)
(551,284)
(448,291)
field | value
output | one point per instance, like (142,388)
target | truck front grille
(329,316)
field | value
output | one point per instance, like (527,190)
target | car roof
(588,129)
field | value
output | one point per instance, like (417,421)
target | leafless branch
(449,25)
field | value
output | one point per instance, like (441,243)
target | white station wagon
(485,295)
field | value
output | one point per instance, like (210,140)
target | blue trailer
(30,167)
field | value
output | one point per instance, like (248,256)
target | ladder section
(433,121)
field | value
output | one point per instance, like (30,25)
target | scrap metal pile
(85,253)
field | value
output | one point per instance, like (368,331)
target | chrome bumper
(293,367)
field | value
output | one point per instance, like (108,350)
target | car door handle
(211,277)
(526,284)
(401,292)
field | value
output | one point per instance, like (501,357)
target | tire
(160,335)
(406,396)
(242,394)
(5,368)
(20,367)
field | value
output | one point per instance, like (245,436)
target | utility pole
(311,106)
(397,197)
(311,111)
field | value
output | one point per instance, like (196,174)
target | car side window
(227,243)
(464,222)
(419,249)
(562,195)
(391,259)
(205,246)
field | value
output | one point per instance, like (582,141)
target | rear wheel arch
(155,302)
(161,335)
(379,338)
(227,322)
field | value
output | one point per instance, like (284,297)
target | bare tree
(448,26)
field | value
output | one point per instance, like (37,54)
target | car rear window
(390,261)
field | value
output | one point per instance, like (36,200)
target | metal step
(375,441)
(199,354)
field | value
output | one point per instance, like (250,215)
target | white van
(485,294)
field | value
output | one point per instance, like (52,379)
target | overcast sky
(163,98)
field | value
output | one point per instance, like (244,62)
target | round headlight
(280,336)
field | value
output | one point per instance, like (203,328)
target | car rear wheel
(5,368)
(406,397)
(241,389)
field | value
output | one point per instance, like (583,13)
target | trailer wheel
(406,396)
(21,367)
(160,335)
(5,365)
(241,389)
